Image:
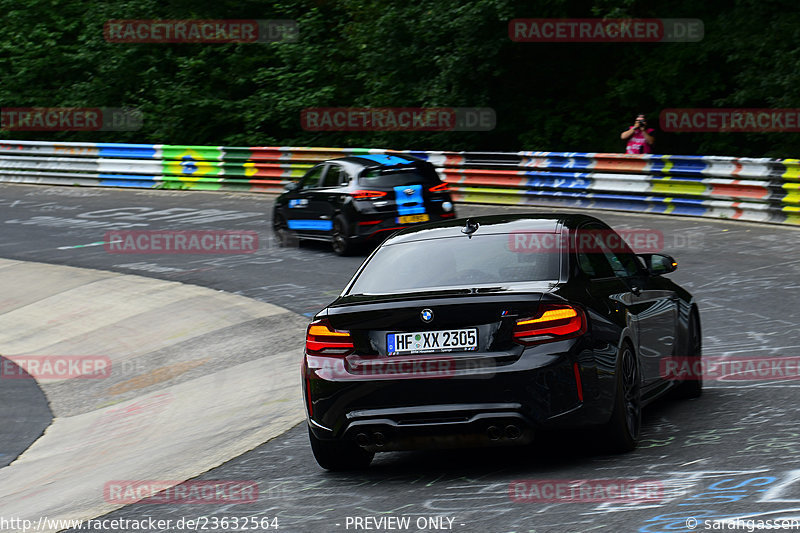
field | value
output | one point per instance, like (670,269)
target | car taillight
(364,195)
(442,187)
(321,339)
(552,323)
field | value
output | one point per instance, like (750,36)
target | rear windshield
(456,262)
(394,177)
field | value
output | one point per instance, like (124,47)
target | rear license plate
(411,219)
(450,340)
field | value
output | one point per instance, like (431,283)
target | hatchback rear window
(455,262)
(395,177)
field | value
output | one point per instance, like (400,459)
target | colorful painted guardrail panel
(762,190)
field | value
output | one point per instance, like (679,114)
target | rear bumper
(505,402)
(370,223)
(376,229)
(449,427)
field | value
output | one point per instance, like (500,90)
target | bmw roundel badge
(426,315)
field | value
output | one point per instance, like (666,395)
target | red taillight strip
(578,381)
(554,322)
(322,340)
(323,347)
(369,222)
(364,194)
(444,186)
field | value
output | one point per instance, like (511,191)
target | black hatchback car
(359,199)
(486,331)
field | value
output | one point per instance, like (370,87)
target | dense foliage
(368,53)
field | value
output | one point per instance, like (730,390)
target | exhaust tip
(362,439)
(380,438)
(513,432)
(493,432)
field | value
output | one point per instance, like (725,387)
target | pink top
(637,144)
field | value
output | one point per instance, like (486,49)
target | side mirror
(293,186)
(658,264)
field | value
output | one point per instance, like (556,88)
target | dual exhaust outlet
(377,438)
(510,432)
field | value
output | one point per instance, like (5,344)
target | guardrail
(759,190)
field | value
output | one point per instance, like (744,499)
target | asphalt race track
(734,452)
(24,414)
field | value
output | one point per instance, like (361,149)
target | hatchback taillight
(552,323)
(322,339)
(367,195)
(442,187)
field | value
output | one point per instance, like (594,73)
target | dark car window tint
(591,259)
(616,264)
(398,177)
(622,260)
(622,264)
(454,262)
(594,265)
(311,180)
(630,263)
(333,177)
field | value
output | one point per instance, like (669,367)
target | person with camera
(640,138)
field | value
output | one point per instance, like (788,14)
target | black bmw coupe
(487,330)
